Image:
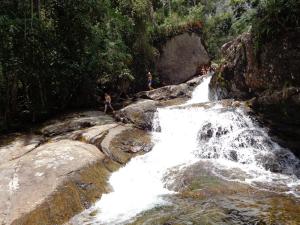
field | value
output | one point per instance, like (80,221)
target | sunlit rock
(181,56)
(51,183)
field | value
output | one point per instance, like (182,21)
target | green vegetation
(56,55)
(275,18)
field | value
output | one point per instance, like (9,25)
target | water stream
(222,136)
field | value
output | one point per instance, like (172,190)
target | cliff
(268,78)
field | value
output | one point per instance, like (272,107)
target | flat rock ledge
(49,177)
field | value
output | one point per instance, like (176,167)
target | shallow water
(203,198)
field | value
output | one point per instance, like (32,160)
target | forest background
(57,55)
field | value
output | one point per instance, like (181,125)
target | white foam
(227,137)
(201,93)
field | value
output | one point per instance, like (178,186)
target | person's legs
(110,106)
(105,108)
(150,86)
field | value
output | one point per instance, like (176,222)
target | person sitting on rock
(108,103)
(211,70)
(149,75)
(206,69)
(203,70)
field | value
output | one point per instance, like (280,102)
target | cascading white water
(201,93)
(226,136)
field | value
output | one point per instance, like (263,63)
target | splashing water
(201,92)
(239,149)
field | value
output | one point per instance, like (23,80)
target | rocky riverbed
(63,167)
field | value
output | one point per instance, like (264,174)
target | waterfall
(201,93)
(224,135)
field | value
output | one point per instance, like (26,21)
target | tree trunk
(169,7)
(14,95)
(37,7)
(6,106)
(41,90)
(31,9)
(152,15)
(11,83)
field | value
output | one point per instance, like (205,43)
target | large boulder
(140,113)
(167,92)
(181,57)
(51,183)
(123,142)
(46,180)
(269,77)
(230,81)
(183,90)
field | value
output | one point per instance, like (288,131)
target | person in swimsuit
(149,75)
(107,103)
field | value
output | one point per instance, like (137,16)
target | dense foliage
(57,54)
(275,18)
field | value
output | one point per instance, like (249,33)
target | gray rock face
(181,57)
(122,141)
(21,145)
(167,92)
(27,182)
(140,113)
(75,121)
(183,90)
(47,179)
(245,74)
(270,78)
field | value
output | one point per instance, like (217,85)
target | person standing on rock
(149,75)
(108,103)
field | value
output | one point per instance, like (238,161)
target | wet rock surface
(50,176)
(279,110)
(203,198)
